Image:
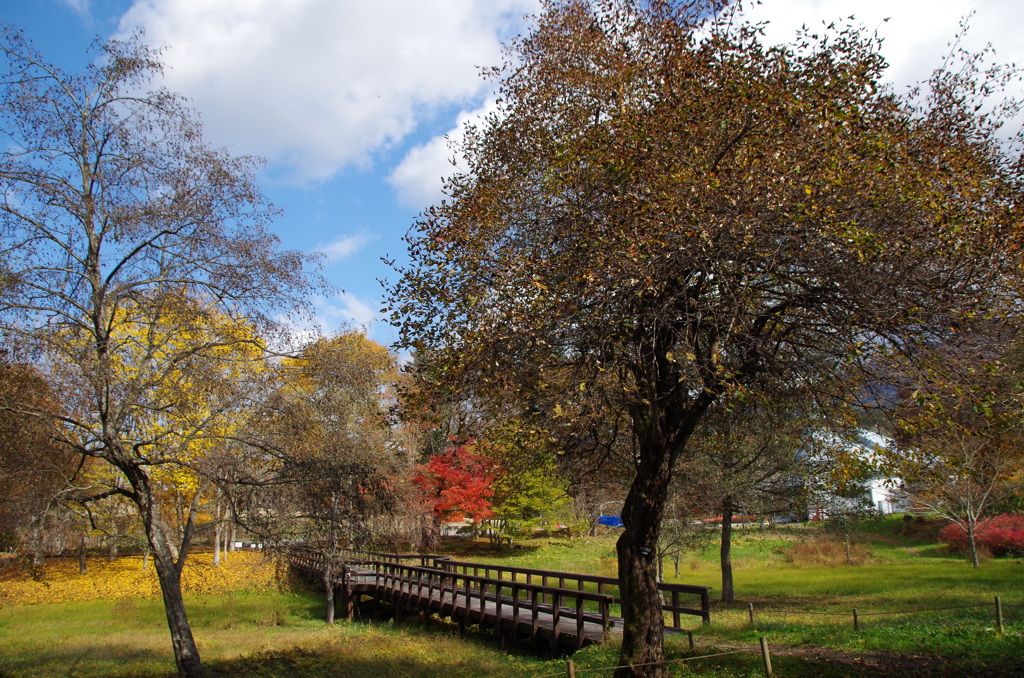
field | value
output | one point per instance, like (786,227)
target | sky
(351,101)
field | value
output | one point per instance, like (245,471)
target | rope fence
(571,671)
(997,604)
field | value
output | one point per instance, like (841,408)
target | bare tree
(138,269)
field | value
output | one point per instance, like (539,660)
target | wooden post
(767,658)
(999,614)
(571,669)
(750,611)
(856,621)
(689,636)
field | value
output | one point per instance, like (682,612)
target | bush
(1002,535)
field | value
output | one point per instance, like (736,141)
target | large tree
(664,211)
(138,269)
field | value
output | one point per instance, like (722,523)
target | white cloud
(916,33)
(419,178)
(79,7)
(343,311)
(342,247)
(316,85)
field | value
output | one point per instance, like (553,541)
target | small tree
(457,484)
(35,472)
(746,458)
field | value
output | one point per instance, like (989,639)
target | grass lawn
(248,622)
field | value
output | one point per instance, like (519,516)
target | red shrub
(1002,535)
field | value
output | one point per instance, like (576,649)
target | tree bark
(186,655)
(643,630)
(38,552)
(329,588)
(82,568)
(725,552)
(218,531)
(168,570)
(974,544)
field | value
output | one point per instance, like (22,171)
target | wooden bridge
(543,607)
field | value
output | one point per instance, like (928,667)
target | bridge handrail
(590,578)
(507,583)
(411,575)
(672,588)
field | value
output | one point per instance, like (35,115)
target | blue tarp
(610,521)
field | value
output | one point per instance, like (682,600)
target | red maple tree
(457,484)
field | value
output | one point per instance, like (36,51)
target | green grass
(269,634)
(804,611)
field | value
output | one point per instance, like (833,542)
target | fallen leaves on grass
(58,579)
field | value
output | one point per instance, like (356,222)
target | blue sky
(349,100)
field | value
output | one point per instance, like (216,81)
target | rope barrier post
(571,670)
(689,636)
(767,658)
(750,611)
(856,622)
(999,614)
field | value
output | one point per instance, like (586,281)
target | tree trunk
(168,571)
(38,552)
(216,545)
(725,552)
(643,629)
(974,544)
(82,568)
(846,541)
(218,530)
(329,588)
(186,655)
(112,548)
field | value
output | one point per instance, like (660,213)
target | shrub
(1002,535)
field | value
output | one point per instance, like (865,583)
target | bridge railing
(547,583)
(671,593)
(427,587)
